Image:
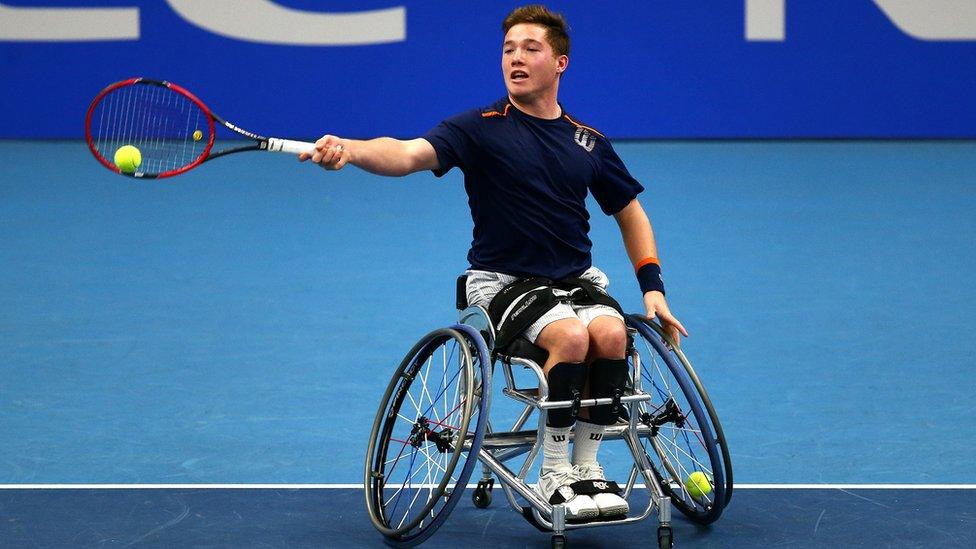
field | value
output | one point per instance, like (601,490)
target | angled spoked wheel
(426,436)
(682,434)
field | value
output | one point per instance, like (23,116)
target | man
(528,166)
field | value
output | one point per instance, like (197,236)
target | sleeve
(613,187)
(454,141)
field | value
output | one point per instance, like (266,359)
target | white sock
(587,442)
(555,448)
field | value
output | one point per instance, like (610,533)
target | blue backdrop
(639,69)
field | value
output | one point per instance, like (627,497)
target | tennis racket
(172,130)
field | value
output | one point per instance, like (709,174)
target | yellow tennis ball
(197,135)
(698,485)
(128,158)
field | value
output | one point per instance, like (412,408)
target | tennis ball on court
(197,135)
(128,158)
(698,485)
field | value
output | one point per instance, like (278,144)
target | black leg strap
(566,381)
(608,379)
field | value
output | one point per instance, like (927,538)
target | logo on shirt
(585,139)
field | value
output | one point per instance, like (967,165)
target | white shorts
(483,285)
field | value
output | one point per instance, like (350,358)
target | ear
(562,63)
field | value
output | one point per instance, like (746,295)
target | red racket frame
(211,119)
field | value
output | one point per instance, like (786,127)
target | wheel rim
(417,464)
(686,440)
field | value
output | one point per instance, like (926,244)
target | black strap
(591,487)
(535,297)
(461,293)
(557,498)
(592,293)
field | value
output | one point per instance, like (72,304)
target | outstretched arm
(638,236)
(382,156)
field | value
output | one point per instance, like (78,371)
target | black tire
(665,537)
(481,498)
(430,422)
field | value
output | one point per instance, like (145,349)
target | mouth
(518,76)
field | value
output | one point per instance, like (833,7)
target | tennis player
(528,165)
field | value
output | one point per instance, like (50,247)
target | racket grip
(289,146)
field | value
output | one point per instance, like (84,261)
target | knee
(608,341)
(566,341)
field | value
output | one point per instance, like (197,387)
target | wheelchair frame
(493,448)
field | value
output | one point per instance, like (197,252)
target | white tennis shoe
(609,503)
(554,487)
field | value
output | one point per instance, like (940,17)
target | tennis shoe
(554,487)
(610,504)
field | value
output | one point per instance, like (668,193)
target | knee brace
(566,381)
(608,379)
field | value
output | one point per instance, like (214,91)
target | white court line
(360,486)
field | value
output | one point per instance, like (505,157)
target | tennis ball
(128,158)
(197,135)
(698,485)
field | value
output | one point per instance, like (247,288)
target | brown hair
(557,30)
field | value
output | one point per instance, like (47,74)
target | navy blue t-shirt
(527,179)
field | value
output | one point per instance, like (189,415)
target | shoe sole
(583,515)
(614,511)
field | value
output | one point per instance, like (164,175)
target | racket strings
(157,120)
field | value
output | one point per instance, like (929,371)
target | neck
(546,107)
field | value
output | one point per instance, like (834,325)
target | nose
(517,56)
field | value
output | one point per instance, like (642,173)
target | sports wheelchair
(433,426)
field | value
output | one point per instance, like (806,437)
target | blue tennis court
(237,326)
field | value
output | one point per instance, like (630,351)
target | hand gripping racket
(172,130)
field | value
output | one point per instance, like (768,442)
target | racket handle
(289,146)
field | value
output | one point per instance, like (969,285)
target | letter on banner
(765,20)
(267,22)
(940,20)
(68,24)
(937,20)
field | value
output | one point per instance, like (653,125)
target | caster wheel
(665,540)
(481,498)
(558,541)
(482,494)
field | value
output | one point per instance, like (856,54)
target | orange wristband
(646,261)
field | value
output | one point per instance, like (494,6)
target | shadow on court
(336,518)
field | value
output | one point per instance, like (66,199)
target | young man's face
(529,65)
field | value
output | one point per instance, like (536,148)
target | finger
(302,157)
(323,142)
(337,155)
(330,155)
(673,331)
(669,318)
(680,327)
(317,157)
(342,161)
